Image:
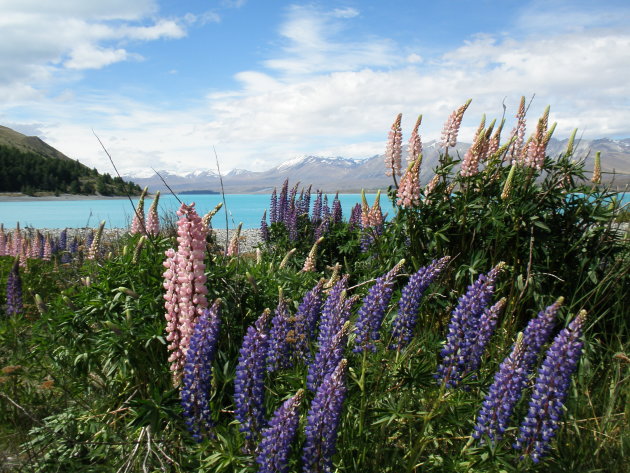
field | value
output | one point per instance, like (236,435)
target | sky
(165,83)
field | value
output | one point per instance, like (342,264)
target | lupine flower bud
(409,303)
(323,421)
(550,391)
(233,247)
(372,312)
(249,382)
(451,127)
(393,152)
(96,242)
(507,187)
(137,224)
(14,290)
(197,379)
(277,437)
(286,258)
(138,249)
(464,326)
(207,218)
(597,169)
(153,220)
(311,259)
(569,150)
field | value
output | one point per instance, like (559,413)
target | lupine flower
(507,187)
(197,379)
(286,258)
(277,437)
(550,391)
(273,207)
(495,141)
(323,421)
(264,229)
(337,213)
(393,152)
(306,318)
(206,220)
(537,146)
(511,379)
(233,247)
(184,281)
(311,259)
(451,127)
(322,229)
(463,328)
(63,240)
(485,328)
(47,249)
(470,163)
(409,188)
(153,221)
(14,290)
(138,249)
(137,224)
(280,337)
(333,315)
(328,356)
(17,241)
(569,150)
(597,169)
(518,133)
(283,201)
(414,148)
(409,303)
(95,246)
(3,241)
(502,396)
(317,208)
(372,312)
(325,208)
(249,382)
(355,217)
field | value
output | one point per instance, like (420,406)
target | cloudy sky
(163,82)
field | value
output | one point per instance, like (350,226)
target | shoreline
(15,197)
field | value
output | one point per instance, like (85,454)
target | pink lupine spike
(451,127)
(233,247)
(47,248)
(409,189)
(516,148)
(138,223)
(311,259)
(3,241)
(535,156)
(415,142)
(153,220)
(393,152)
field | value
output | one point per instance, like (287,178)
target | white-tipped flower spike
(569,151)
(207,218)
(233,247)
(96,242)
(311,259)
(393,152)
(138,223)
(286,258)
(597,169)
(153,221)
(518,133)
(415,142)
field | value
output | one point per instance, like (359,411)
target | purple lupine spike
(264,229)
(63,240)
(372,312)
(249,381)
(292,223)
(333,315)
(355,217)
(306,201)
(537,333)
(317,208)
(291,201)
(463,327)
(306,319)
(283,201)
(503,394)
(280,338)
(485,329)
(277,437)
(40,245)
(550,391)
(89,239)
(273,207)
(409,303)
(14,290)
(328,356)
(325,208)
(196,385)
(337,212)
(323,420)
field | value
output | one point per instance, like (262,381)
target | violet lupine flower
(306,319)
(249,382)
(409,188)
(74,246)
(463,328)
(328,356)
(503,394)
(14,290)
(137,224)
(372,312)
(550,391)
(280,338)
(537,333)
(325,208)
(317,208)
(337,213)
(409,303)
(485,328)
(323,420)
(393,151)
(414,148)
(264,229)
(451,127)
(197,379)
(282,202)
(89,239)
(322,229)
(355,217)
(153,220)
(333,315)
(184,281)
(277,437)
(273,207)
(306,201)
(291,222)
(63,240)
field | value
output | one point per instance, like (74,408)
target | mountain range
(332,174)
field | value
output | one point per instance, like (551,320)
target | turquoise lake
(117,213)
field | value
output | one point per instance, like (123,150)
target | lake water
(246,208)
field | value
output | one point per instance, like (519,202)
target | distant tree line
(29,173)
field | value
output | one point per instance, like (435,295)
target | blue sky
(162,82)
